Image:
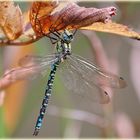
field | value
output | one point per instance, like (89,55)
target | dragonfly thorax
(63,49)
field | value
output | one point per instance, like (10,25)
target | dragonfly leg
(74,32)
(55,33)
(53,40)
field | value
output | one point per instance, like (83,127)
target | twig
(103,61)
(78,115)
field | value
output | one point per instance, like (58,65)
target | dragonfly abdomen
(46,98)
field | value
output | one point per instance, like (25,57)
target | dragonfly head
(67,36)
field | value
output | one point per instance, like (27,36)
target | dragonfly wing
(38,63)
(77,84)
(96,75)
(30,67)
(30,60)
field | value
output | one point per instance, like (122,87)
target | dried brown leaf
(11,20)
(114,28)
(41,10)
(71,16)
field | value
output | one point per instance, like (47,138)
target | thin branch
(78,115)
(19,43)
(103,61)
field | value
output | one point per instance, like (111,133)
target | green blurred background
(122,113)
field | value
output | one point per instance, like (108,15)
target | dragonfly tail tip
(36,132)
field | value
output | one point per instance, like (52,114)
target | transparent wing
(96,75)
(31,60)
(30,67)
(77,84)
(86,79)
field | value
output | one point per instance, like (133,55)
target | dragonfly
(75,70)
(79,75)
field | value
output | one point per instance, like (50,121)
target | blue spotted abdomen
(46,98)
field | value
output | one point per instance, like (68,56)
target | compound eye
(71,36)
